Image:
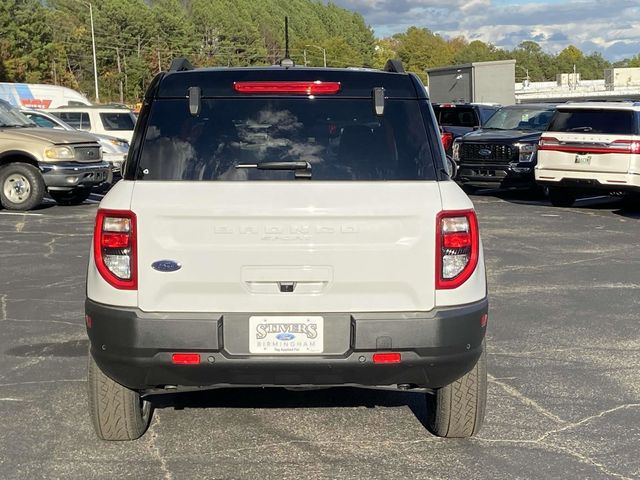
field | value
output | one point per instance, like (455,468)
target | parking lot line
(22,213)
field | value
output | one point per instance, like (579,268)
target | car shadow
(282,398)
(534,198)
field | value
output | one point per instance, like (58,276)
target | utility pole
(304,53)
(120,75)
(95,62)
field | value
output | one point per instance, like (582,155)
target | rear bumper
(588,180)
(65,176)
(135,348)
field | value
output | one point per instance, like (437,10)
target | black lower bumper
(135,349)
(495,176)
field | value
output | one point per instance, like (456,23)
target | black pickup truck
(503,152)
(456,119)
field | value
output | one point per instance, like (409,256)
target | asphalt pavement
(564,366)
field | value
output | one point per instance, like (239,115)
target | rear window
(118,121)
(619,122)
(456,116)
(78,120)
(340,139)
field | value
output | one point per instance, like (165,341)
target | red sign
(35,103)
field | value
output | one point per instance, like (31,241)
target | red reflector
(483,320)
(115,240)
(88,320)
(297,88)
(392,357)
(186,358)
(456,240)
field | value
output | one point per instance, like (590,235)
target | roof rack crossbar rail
(394,66)
(180,64)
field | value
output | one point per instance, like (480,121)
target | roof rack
(394,66)
(180,64)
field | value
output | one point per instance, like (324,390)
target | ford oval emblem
(166,266)
(484,152)
(285,337)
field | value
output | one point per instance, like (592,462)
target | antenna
(286,61)
(286,37)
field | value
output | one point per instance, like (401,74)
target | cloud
(611,27)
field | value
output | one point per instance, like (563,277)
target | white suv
(590,147)
(286,227)
(102,119)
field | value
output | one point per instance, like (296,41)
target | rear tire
(561,197)
(70,197)
(117,413)
(457,410)
(21,186)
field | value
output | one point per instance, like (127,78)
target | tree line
(50,42)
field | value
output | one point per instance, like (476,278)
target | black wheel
(117,413)
(21,186)
(70,197)
(457,410)
(561,197)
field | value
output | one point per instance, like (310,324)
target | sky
(611,27)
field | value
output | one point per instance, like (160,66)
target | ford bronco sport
(286,227)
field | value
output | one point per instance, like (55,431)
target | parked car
(294,227)
(457,119)
(105,120)
(34,160)
(503,152)
(114,150)
(590,147)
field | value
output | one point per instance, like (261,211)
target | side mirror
(452,167)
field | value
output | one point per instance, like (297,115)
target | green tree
(420,48)
(25,42)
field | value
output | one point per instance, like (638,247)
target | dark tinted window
(456,116)
(619,122)
(117,121)
(341,139)
(79,120)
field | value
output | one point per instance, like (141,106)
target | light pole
(93,44)
(95,63)
(324,53)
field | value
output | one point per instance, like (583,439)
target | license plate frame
(286,335)
(583,159)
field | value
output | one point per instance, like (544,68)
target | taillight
(632,145)
(457,247)
(294,88)
(114,248)
(447,139)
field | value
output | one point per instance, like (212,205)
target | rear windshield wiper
(302,169)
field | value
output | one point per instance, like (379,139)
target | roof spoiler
(394,66)
(180,64)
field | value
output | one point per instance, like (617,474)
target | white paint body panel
(348,246)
